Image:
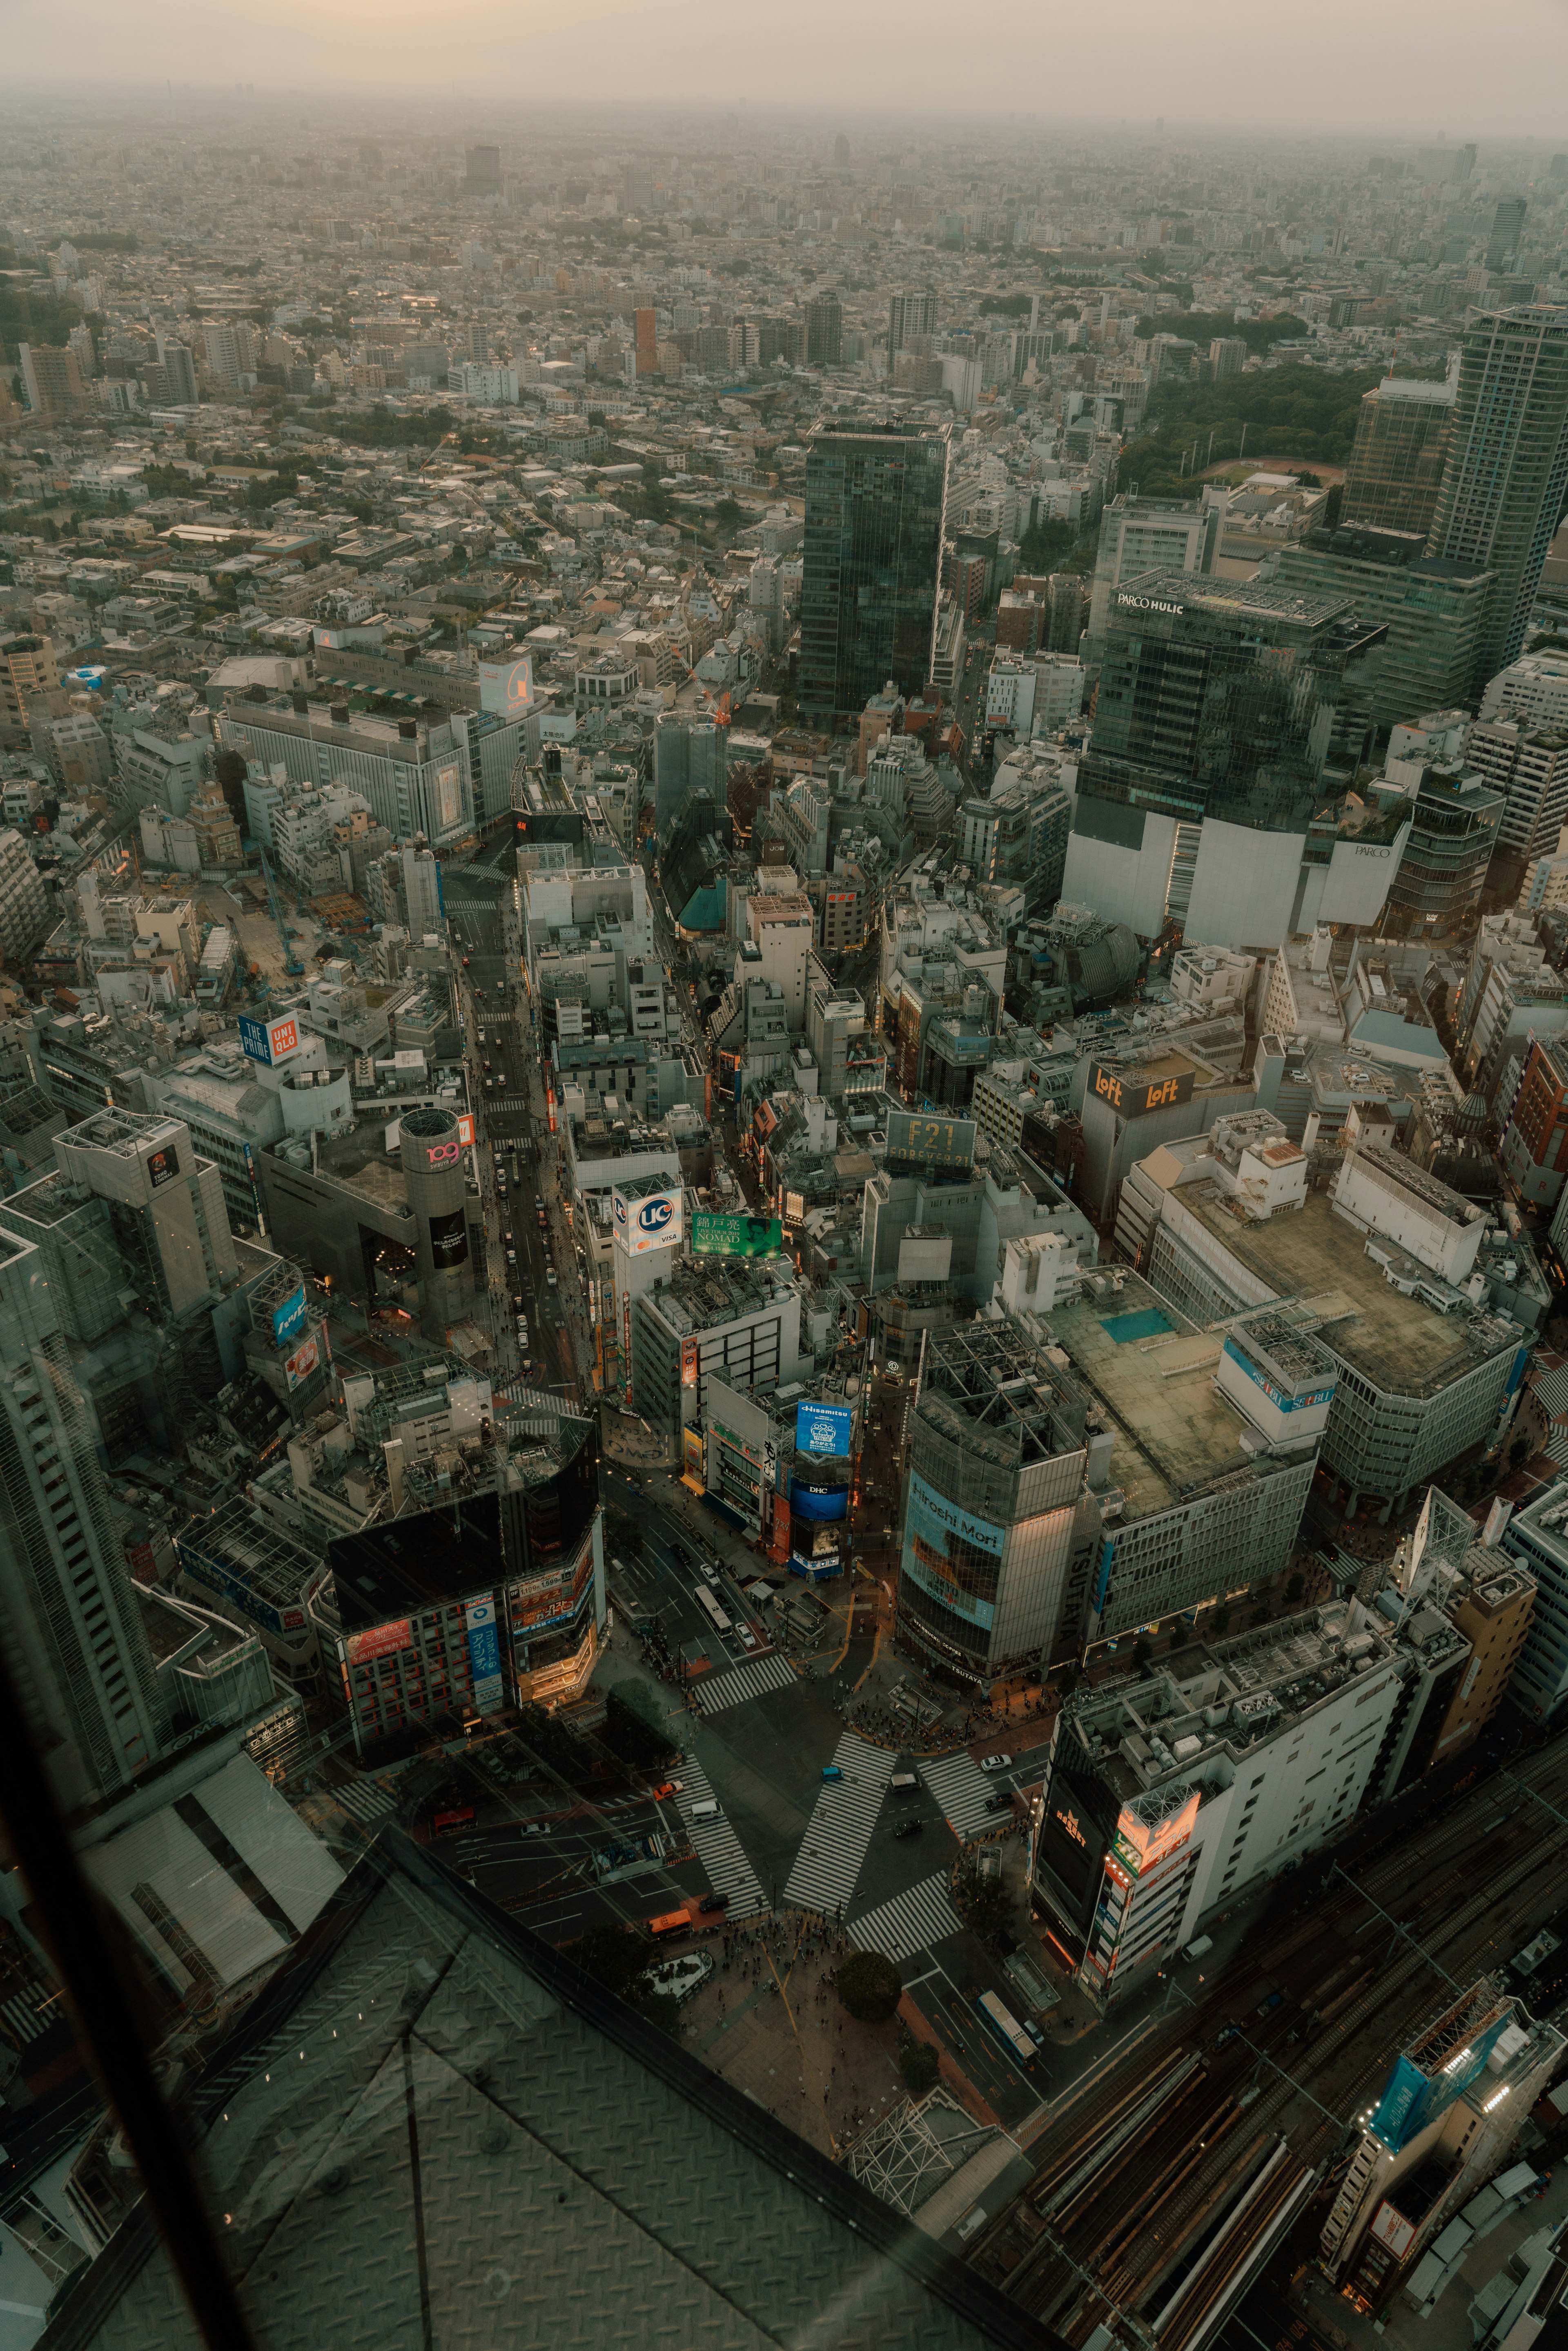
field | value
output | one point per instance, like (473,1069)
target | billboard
(444,1155)
(289,1318)
(688,1362)
(1414,2099)
(162,1166)
(951,1555)
(819,1501)
(484,1653)
(506,687)
(823,1429)
(737,1236)
(448,796)
(380,1641)
(465,1128)
(779,1539)
(1132,1096)
(654,1221)
(300,1365)
(930,1142)
(449,1239)
(267,1040)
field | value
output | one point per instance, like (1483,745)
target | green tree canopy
(869,1986)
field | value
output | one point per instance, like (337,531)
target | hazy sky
(1471,68)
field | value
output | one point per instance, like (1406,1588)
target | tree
(1296,1586)
(921,2067)
(869,1986)
(985,1906)
(630,1736)
(615,1957)
(728,512)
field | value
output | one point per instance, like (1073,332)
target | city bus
(714,1613)
(1006,2027)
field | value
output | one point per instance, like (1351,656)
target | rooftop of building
(425,1561)
(711,1290)
(1314,1257)
(1220,1696)
(1151,1372)
(1257,599)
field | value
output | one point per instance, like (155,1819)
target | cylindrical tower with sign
(431,1149)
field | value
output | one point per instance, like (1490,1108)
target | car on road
(999,1803)
(714,1902)
(552,1276)
(831,1772)
(907,1828)
(995,1763)
(748,1637)
(668,1788)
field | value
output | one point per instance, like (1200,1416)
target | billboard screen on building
(654,1221)
(298,1367)
(688,1362)
(289,1318)
(951,1555)
(506,687)
(448,798)
(465,1128)
(449,1239)
(823,1429)
(819,1501)
(162,1166)
(736,1237)
(267,1040)
(484,1654)
(930,1142)
(1412,2099)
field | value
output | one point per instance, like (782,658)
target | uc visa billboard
(655,1220)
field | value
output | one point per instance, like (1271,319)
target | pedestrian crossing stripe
(964,1792)
(365,1802)
(842,1819)
(718,1848)
(1551,1390)
(908,1922)
(22,2019)
(749,1680)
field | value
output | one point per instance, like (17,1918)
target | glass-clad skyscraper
(1401,437)
(1507,465)
(875,501)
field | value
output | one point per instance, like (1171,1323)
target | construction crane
(291,963)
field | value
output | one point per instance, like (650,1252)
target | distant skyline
(1478,73)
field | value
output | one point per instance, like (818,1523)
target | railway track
(1161,2183)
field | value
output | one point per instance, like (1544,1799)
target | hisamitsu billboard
(823,1429)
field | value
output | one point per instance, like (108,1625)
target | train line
(1164,2181)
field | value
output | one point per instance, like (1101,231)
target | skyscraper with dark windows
(909,315)
(1507,470)
(1507,233)
(1402,438)
(875,504)
(824,331)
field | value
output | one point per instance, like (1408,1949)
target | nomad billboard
(736,1237)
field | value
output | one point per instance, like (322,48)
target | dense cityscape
(783,1240)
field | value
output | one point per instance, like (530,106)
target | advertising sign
(930,1142)
(1131,1095)
(778,1541)
(289,1318)
(380,1641)
(655,1221)
(823,1429)
(692,1451)
(1412,2099)
(449,1239)
(300,1365)
(1276,1394)
(506,687)
(484,1654)
(444,1155)
(162,1166)
(448,798)
(267,1040)
(951,1555)
(1392,2229)
(819,1501)
(688,1362)
(465,1129)
(222,1580)
(737,1236)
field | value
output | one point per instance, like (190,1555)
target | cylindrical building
(431,1153)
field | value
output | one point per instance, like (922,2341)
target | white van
(905,1782)
(706,1810)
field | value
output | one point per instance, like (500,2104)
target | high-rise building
(1507,233)
(1396,468)
(689,755)
(179,371)
(645,324)
(1503,483)
(909,315)
(77,1645)
(481,171)
(1198,801)
(1529,766)
(1532,690)
(24,902)
(875,505)
(51,380)
(1147,535)
(1435,613)
(824,331)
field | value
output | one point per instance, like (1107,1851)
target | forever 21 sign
(1135,1096)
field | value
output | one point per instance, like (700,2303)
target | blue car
(831,1772)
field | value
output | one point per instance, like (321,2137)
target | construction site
(1340,2093)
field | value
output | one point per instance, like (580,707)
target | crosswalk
(508,1101)
(368,1803)
(829,1861)
(1551,1390)
(22,2019)
(962,1791)
(718,1847)
(908,1922)
(742,1682)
